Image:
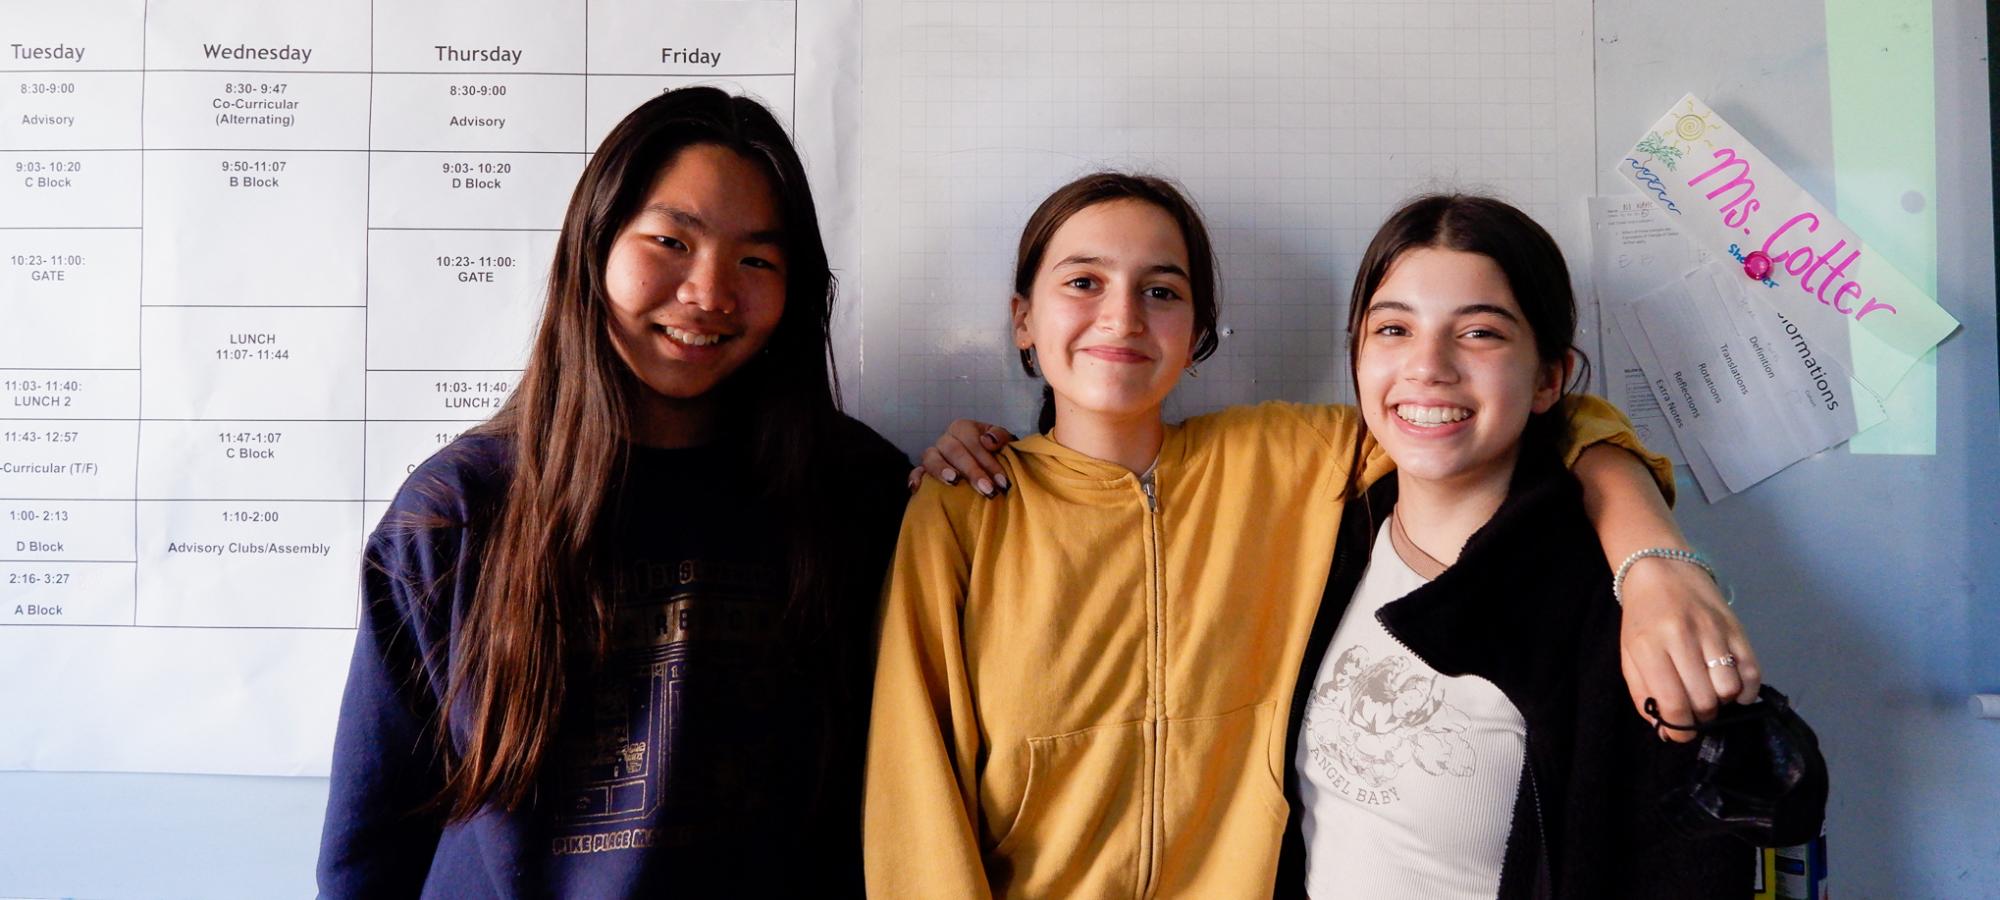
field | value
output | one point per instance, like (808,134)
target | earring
(1034,362)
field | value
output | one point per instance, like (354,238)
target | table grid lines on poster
(264,258)
(1295,126)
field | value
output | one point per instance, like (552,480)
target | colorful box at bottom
(1766,885)
(1801,871)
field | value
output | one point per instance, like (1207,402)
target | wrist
(1667,556)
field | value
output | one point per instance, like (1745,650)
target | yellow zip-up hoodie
(1082,684)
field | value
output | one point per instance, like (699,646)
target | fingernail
(985,487)
(950,476)
(1002,481)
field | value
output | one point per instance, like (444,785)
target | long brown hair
(1535,272)
(1104,187)
(541,612)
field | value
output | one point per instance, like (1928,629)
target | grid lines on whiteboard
(1296,126)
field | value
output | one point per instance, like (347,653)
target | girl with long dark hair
(616,639)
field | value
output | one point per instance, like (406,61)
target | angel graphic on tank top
(1374,717)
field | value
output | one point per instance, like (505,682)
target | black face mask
(1758,775)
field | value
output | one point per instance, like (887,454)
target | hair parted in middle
(1529,259)
(541,610)
(1105,187)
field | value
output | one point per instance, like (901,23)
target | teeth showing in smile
(690,338)
(1432,415)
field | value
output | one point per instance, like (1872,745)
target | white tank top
(1408,778)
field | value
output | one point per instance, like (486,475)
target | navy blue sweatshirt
(714,752)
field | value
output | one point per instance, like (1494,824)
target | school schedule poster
(261,258)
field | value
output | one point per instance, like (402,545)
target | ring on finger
(1725,660)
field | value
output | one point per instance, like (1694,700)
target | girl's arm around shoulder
(1305,441)
(1308,434)
(1333,428)
(1311,427)
(1595,426)
(923,740)
(1675,621)
(1674,617)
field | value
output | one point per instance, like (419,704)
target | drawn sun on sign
(1667,149)
(1692,126)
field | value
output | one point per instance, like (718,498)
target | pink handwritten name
(1801,261)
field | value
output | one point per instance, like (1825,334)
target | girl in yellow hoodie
(1082,684)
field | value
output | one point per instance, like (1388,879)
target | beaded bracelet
(1686,556)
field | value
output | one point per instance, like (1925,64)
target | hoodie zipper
(1156,830)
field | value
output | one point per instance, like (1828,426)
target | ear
(1020,310)
(1550,380)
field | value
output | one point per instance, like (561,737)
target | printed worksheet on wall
(1297,127)
(261,260)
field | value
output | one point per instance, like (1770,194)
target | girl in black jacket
(1461,728)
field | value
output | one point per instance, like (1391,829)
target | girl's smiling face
(697,278)
(1110,316)
(1447,371)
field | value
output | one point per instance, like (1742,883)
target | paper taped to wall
(1746,391)
(1634,250)
(1730,199)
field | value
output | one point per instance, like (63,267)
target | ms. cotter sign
(1729,198)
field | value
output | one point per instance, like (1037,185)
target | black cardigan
(1528,606)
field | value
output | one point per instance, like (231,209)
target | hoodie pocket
(1225,808)
(1076,832)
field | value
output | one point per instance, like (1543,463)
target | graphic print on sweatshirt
(690,655)
(1375,716)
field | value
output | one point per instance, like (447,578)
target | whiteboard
(1296,127)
